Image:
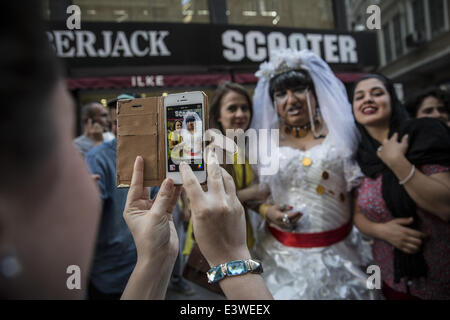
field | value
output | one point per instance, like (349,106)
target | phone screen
(185,136)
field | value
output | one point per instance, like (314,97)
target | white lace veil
(332,98)
(197,128)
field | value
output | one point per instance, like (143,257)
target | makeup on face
(292,104)
(281,96)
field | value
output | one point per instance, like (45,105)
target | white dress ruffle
(333,272)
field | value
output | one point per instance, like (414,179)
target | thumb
(404,221)
(137,180)
(164,201)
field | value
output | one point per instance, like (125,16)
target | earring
(318,117)
(10,265)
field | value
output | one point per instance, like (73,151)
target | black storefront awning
(214,47)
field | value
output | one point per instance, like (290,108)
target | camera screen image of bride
(184,137)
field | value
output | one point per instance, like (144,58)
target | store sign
(109,44)
(256,46)
(131,44)
(147,81)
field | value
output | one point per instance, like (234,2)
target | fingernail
(167,184)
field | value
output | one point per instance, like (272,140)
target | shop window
(195,11)
(387,43)
(417,31)
(418,15)
(448,15)
(436,9)
(398,39)
(287,13)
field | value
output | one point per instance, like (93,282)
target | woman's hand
(391,151)
(150,222)
(217,215)
(253,193)
(403,238)
(220,228)
(154,234)
(276,213)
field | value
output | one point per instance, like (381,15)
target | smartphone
(184,120)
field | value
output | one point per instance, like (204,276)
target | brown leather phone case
(140,132)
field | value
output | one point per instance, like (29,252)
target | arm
(393,232)
(172,144)
(245,287)
(254,192)
(98,172)
(220,228)
(366,226)
(431,193)
(275,213)
(149,279)
(154,234)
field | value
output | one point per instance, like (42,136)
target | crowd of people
(362,180)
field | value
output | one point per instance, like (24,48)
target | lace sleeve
(353,174)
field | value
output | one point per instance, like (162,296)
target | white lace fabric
(333,272)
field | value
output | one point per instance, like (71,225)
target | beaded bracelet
(233,268)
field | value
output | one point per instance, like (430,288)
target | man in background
(115,253)
(96,122)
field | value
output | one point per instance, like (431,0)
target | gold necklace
(298,131)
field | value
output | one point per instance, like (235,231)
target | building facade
(161,46)
(413,42)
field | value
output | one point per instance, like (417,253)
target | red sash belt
(312,240)
(192,154)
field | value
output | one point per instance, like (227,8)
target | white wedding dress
(319,190)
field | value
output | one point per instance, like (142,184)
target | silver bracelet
(410,175)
